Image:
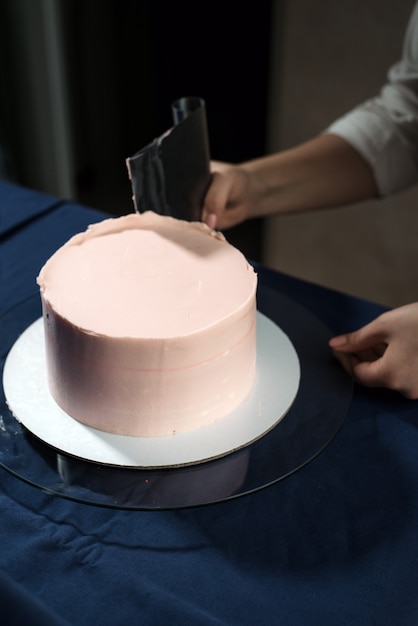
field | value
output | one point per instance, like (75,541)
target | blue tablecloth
(334,543)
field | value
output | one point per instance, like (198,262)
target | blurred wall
(35,132)
(84,84)
(332,56)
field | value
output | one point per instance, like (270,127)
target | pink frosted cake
(150,325)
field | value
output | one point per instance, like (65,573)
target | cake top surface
(146,275)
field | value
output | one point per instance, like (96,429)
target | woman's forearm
(323,172)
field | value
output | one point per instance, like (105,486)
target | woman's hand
(321,173)
(230,196)
(383,353)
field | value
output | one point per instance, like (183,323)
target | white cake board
(273,393)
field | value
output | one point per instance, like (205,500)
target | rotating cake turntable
(297,405)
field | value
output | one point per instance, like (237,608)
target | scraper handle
(184,107)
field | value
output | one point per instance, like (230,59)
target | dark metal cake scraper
(170,175)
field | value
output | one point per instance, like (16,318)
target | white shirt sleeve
(384,130)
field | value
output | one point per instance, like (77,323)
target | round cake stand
(314,418)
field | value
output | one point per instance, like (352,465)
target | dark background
(127,61)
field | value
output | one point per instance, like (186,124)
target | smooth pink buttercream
(149,325)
